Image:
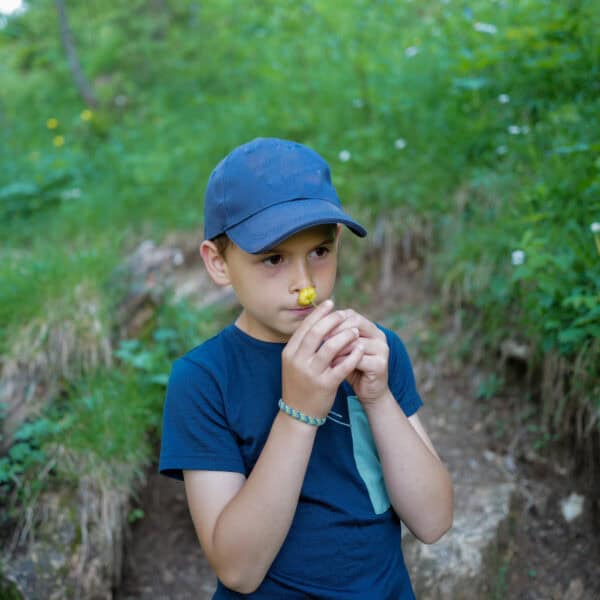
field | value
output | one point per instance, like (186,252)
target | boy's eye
(273,261)
(321,251)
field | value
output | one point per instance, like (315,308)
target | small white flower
(514,129)
(595,227)
(500,150)
(517,257)
(344,156)
(411,51)
(485,28)
(71,194)
(357,103)
(504,98)
(400,144)
(178,258)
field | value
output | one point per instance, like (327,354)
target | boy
(295,428)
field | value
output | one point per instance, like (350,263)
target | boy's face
(267,285)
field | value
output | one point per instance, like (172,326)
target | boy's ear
(214,262)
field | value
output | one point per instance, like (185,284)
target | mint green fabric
(366,457)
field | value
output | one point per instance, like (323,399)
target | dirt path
(163,559)
(544,558)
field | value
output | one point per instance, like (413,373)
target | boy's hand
(370,378)
(310,376)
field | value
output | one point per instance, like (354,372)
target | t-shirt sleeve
(196,434)
(401,376)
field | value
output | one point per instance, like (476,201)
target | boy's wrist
(300,416)
(294,426)
(373,404)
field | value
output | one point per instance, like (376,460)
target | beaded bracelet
(288,410)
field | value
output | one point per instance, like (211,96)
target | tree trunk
(388,256)
(83,86)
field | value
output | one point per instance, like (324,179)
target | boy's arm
(242,523)
(417,482)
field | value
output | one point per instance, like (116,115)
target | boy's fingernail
(328,303)
(355,331)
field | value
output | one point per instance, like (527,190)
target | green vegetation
(479,120)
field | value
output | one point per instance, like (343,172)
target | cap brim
(269,227)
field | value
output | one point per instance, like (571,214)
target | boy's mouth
(301,310)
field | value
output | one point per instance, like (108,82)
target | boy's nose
(301,278)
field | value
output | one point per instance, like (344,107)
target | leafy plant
(490,386)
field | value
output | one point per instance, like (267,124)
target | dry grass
(570,392)
(103,497)
(79,523)
(58,347)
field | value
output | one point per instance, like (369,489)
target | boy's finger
(315,337)
(334,345)
(320,311)
(343,369)
(369,364)
(341,355)
(353,319)
(370,347)
(373,347)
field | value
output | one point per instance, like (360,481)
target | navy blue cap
(267,190)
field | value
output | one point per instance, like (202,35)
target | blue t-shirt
(344,541)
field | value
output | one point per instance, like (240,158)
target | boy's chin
(280,332)
(288,331)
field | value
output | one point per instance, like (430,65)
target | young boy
(295,428)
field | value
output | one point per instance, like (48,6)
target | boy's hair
(222,242)
(268,189)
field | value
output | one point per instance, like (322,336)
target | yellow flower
(52,123)
(307,296)
(58,141)
(86,115)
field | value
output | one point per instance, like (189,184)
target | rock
(465,562)
(571,507)
(511,349)
(153,274)
(76,549)
(575,591)
(453,568)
